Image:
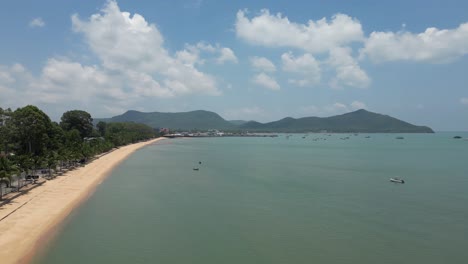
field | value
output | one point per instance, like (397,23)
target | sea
(298,198)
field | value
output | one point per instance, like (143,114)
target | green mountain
(358,121)
(200,119)
(353,122)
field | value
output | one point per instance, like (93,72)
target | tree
(79,120)
(29,129)
(7,169)
(102,126)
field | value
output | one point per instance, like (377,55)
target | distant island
(360,121)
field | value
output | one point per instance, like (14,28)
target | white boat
(397,180)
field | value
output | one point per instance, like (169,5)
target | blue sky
(260,60)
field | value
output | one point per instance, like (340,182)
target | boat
(195,169)
(400,138)
(397,180)
(457,137)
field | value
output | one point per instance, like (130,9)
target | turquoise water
(278,200)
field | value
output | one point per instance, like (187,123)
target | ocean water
(277,200)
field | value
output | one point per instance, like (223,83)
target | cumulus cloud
(306,66)
(356,105)
(262,64)
(331,109)
(192,54)
(266,81)
(464,100)
(37,22)
(432,45)
(319,36)
(227,55)
(348,71)
(131,46)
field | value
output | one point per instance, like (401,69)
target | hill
(199,119)
(357,121)
(353,122)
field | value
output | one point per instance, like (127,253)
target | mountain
(353,122)
(357,121)
(200,119)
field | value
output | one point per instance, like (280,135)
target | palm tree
(7,169)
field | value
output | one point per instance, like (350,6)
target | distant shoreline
(32,217)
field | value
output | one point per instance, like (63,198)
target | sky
(251,60)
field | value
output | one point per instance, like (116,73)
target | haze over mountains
(357,121)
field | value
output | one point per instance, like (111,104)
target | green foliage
(198,120)
(358,121)
(125,133)
(29,128)
(79,120)
(7,169)
(102,127)
(31,141)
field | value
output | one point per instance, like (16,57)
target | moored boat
(397,180)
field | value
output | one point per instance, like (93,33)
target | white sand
(31,217)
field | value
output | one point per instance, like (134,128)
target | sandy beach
(27,220)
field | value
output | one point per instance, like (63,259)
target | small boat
(397,180)
(400,138)
(457,137)
(195,169)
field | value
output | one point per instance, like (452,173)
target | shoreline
(30,219)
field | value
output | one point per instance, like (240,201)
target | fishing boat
(397,180)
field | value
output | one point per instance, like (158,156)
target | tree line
(29,140)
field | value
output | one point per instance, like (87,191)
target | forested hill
(193,120)
(357,121)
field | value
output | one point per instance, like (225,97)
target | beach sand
(28,220)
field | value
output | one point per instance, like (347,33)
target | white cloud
(348,71)
(318,36)
(37,22)
(464,100)
(331,109)
(356,105)
(266,81)
(432,45)
(131,46)
(192,54)
(227,55)
(262,64)
(306,66)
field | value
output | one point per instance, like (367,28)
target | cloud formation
(262,64)
(331,109)
(266,81)
(306,66)
(433,45)
(319,36)
(133,47)
(37,22)
(348,71)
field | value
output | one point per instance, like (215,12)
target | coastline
(32,217)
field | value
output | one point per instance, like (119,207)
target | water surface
(278,200)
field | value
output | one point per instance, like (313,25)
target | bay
(309,198)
